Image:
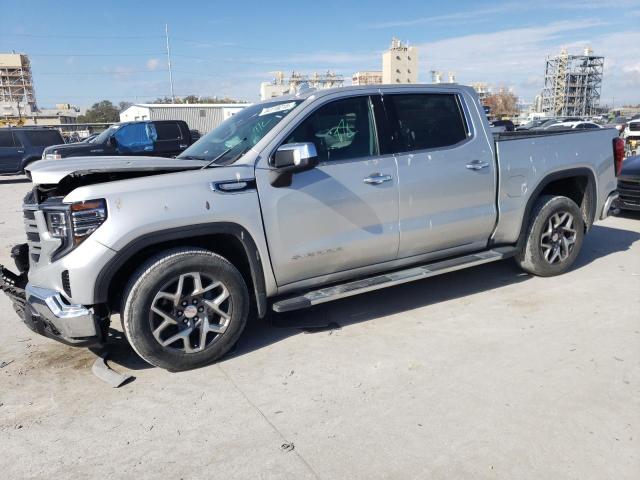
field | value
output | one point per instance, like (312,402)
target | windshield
(102,138)
(243,130)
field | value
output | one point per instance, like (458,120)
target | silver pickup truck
(294,202)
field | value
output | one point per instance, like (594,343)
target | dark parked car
(160,138)
(507,124)
(21,146)
(629,184)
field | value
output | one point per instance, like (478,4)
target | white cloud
(516,57)
(153,63)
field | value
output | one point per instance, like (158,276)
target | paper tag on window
(283,107)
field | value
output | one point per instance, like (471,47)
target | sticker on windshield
(283,107)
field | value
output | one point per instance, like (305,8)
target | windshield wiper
(192,157)
(223,154)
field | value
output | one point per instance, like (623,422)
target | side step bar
(356,287)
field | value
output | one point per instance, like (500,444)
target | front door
(446,172)
(11,151)
(341,215)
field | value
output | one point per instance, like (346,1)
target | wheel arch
(578,184)
(229,240)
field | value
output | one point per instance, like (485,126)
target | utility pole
(166,33)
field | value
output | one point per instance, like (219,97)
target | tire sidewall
(147,284)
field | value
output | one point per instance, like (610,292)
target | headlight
(52,156)
(73,223)
(86,217)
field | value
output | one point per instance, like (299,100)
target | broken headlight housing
(73,223)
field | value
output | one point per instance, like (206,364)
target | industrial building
(400,63)
(439,77)
(572,84)
(283,85)
(203,117)
(366,78)
(482,89)
(16,81)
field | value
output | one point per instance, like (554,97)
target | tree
(101,112)
(194,99)
(122,106)
(503,104)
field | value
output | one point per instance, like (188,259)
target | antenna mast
(166,34)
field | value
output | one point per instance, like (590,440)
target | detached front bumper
(68,323)
(47,313)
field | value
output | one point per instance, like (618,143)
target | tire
(167,310)
(553,240)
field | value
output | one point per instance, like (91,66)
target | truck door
(170,139)
(341,215)
(446,173)
(11,151)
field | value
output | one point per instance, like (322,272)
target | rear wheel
(554,237)
(185,308)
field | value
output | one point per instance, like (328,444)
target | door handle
(477,165)
(376,179)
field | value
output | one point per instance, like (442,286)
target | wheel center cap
(190,311)
(554,237)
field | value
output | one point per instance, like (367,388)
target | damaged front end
(46,312)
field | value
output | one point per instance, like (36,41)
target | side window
(6,139)
(136,137)
(43,138)
(168,131)
(340,130)
(433,120)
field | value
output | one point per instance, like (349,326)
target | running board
(398,277)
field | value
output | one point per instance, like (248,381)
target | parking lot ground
(481,373)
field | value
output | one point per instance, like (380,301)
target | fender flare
(552,177)
(108,272)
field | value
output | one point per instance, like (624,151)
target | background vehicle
(295,202)
(620,123)
(507,124)
(163,138)
(629,185)
(580,125)
(20,146)
(631,136)
(531,124)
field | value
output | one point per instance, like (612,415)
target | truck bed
(528,160)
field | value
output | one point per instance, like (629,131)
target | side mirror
(292,158)
(112,141)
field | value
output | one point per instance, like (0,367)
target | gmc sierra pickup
(294,202)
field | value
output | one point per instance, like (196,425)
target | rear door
(170,138)
(446,174)
(341,215)
(38,140)
(10,151)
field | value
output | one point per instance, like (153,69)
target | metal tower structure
(16,82)
(572,84)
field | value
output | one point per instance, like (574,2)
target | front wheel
(553,238)
(185,308)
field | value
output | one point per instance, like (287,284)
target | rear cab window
(425,121)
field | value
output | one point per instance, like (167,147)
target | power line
(105,37)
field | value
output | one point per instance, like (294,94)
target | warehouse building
(203,117)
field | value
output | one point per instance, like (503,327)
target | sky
(83,52)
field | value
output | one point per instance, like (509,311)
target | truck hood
(52,172)
(69,148)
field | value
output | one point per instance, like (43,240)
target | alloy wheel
(559,238)
(190,313)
